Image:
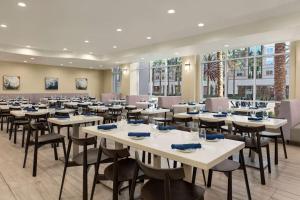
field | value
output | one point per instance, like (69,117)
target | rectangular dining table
(75,121)
(159,144)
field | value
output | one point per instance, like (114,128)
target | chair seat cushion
(126,169)
(92,155)
(49,138)
(226,166)
(154,190)
(252,143)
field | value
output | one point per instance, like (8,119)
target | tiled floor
(17,183)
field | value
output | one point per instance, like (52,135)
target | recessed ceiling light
(32,58)
(148,38)
(28,46)
(142,58)
(65,49)
(3,26)
(171,11)
(91,53)
(25,61)
(115,47)
(61,64)
(226,45)
(176,53)
(200,25)
(86,41)
(70,62)
(22,4)
(119,30)
(100,65)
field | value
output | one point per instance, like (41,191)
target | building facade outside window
(253,73)
(116,78)
(166,77)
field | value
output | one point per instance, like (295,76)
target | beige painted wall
(107,81)
(189,78)
(125,82)
(32,78)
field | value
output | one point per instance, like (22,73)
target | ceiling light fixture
(22,4)
(70,62)
(148,38)
(65,49)
(115,47)
(32,58)
(171,11)
(91,53)
(25,61)
(142,58)
(200,25)
(226,45)
(28,46)
(86,41)
(3,26)
(119,30)
(176,53)
(61,64)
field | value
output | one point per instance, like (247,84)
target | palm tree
(279,71)
(210,71)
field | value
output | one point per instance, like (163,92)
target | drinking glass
(202,135)
(253,114)
(265,115)
(80,110)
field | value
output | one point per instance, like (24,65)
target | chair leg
(194,175)
(23,136)
(283,143)
(2,123)
(10,131)
(35,160)
(26,148)
(209,179)
(68,132)
(62,181)
(64,148)
(15,134)
(85,183)
(204,178)
(261,167)
(242,161)
(276,151)
(268,158)
(149,158)
(115,190)
(229,189)
(55,151)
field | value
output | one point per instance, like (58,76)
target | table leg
(188,172)
(276,151)
(156,161)
(76,135)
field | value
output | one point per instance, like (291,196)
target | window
(117,77)
(249,73)
(166,77)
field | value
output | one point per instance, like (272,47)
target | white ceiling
(48,26)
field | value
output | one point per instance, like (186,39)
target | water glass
(265,115)
(253,114)
(80,110)
(202,134)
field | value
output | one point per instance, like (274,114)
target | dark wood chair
(255,144)
(228,166)
(4,114)
(135,115)
(165,184)
(37,137)
(184,120)
(276,136)
(212,125)
(59,127)
(87,158)
(121,170)
(115,113)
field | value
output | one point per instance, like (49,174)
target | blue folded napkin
(193,112)
(139,134)
(182,103)
(57,108)
(225,113)
(220,115)
(30,109)
(191,104)
(139,121)
(165,128)
(255,118)
(205,111)
(253,108)
(107,126)
(89,114)
(62,116)
(186,146)
(214,136)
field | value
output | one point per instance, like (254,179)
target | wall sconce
(187,66)
(125,70)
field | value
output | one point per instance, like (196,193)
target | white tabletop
(98,108)
(78,119)
(151,111)
(187,106)
(76,103)
(270,123)
(21,113)
(142,103)
(159,144)
(249,110)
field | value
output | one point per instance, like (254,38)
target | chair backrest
(239,128)
(213,125)
(114,153)
(183,128)
(37,117)
(159,173)
(85,141)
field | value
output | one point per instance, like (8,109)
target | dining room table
(159,145)
(75,121)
